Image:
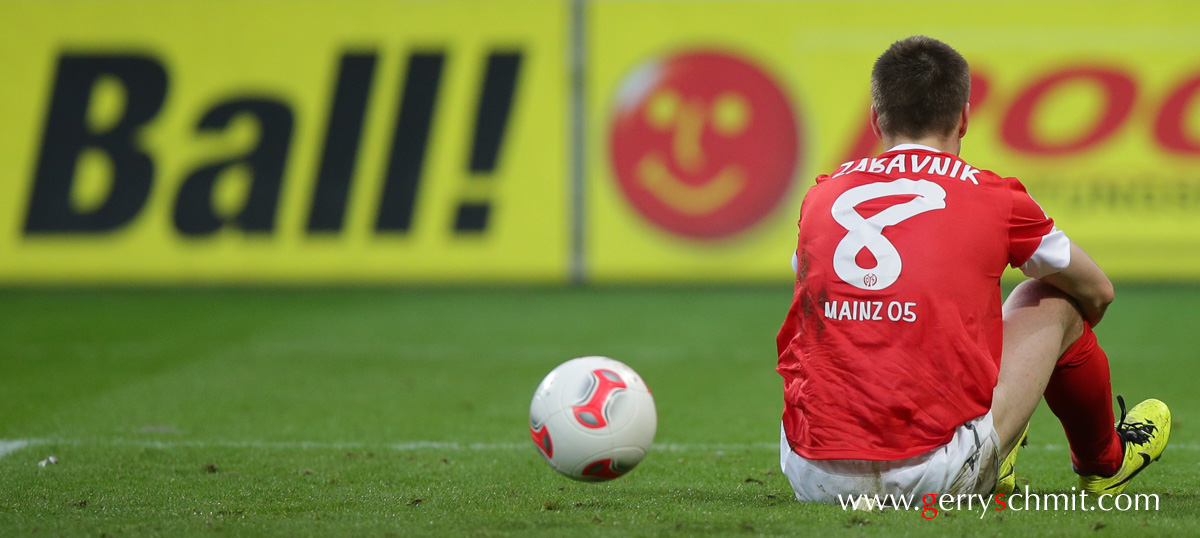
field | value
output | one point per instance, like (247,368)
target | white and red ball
(593,418)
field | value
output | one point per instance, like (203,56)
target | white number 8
(868,233)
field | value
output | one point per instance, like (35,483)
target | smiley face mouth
(689,199)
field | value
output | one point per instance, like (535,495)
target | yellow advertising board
(417,141)
(284,141)
(707,122)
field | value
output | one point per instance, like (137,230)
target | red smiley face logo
(704,144)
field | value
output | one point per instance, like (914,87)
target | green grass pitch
(369,412)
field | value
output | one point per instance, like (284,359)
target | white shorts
(968,464)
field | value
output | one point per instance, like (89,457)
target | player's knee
(1034,292)
(1051,304)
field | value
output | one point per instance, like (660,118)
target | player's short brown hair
(919,86)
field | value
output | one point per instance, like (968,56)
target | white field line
(9,446)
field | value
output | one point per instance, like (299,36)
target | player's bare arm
(1085,282)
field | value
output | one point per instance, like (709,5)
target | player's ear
(962,126)
(875,123)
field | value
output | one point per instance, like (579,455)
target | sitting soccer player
(903,372)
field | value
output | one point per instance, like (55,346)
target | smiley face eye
(730,114)
(663,109)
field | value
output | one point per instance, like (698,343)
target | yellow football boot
(1144,433)
(1008,468)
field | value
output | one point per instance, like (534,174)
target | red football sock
(1080,395)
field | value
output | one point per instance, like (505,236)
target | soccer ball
(592,418)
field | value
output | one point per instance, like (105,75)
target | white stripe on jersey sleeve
(795,263)
(1052,255)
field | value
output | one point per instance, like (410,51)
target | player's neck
(945,144)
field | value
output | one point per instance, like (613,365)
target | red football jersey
(894,334)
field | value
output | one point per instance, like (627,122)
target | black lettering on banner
(409,141)
(67,135)
(491,120)
(194,211)
(342,139)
